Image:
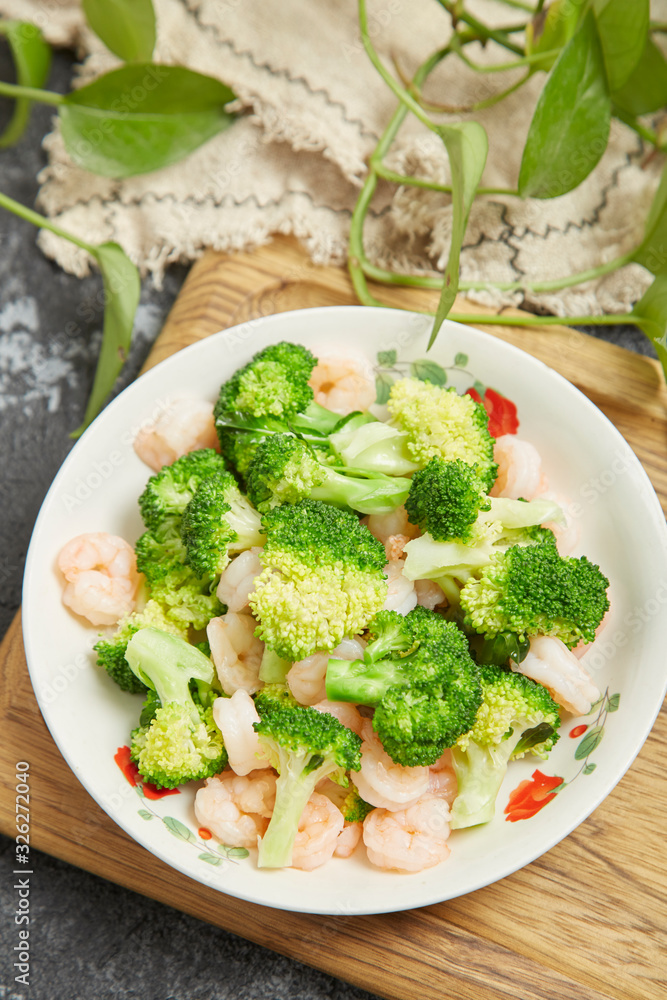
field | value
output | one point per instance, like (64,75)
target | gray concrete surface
(90,939)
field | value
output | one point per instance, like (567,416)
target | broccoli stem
(480,771)
(292,794)
(273,669)
(360,682)
(166,664)
(368,496)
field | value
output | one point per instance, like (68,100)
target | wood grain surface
(588,920)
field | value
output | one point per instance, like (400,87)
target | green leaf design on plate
(613,703)
(179,829)
(387,357)
(237,852)
(428,371)
(211,859)
(461,360)
(145,814)
(589,768)
(589,743)
(479,387)
(383,384)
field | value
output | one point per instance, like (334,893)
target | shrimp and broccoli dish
(343,628)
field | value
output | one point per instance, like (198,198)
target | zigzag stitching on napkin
(599,208)
(285,74)
(503,239)
(228,200)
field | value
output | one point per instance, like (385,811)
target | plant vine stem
(41,222)
(409,103)
(421,182)
(553,285)
(645,133)
(609,319)
(357,260)
(503,67)
(487,33)
(480,105)
(30,93)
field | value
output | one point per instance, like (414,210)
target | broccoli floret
(516,716)
(111,652)
(421,680)
(445,499)
(532,590)
(187,599)
(323,578)
(426,421)
(285,469)
(354,808)
(304,746)
(271,395)
(168,493)
(217,522)
(181,742)
(238,448)
(502,524)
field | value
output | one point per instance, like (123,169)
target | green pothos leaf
(179,829)
(32,59)
(121,294)
(570,127)
(652,311)
(645,90)
(623,31)
(127,27)
(142,117)
(467,147)
(428,371)
(589,743)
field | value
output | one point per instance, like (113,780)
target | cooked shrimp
(519,469)
(343,383)
(395,524)
(401,593)
(102,578)
(551,663)
(347,714)
(236,652)
(187,424)
(237,581)
(411,839)
(383,783)
(319,828)
(305,678)
(568,534)
(234,718)
(348,839)
(442,779)
(429,594)
(236,809)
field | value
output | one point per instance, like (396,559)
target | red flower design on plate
(131,772)
(501,411)
(531,795)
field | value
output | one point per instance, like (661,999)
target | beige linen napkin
(315,108)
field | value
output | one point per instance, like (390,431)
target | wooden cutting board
(588,920)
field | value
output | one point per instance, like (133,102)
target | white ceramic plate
(586,460)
